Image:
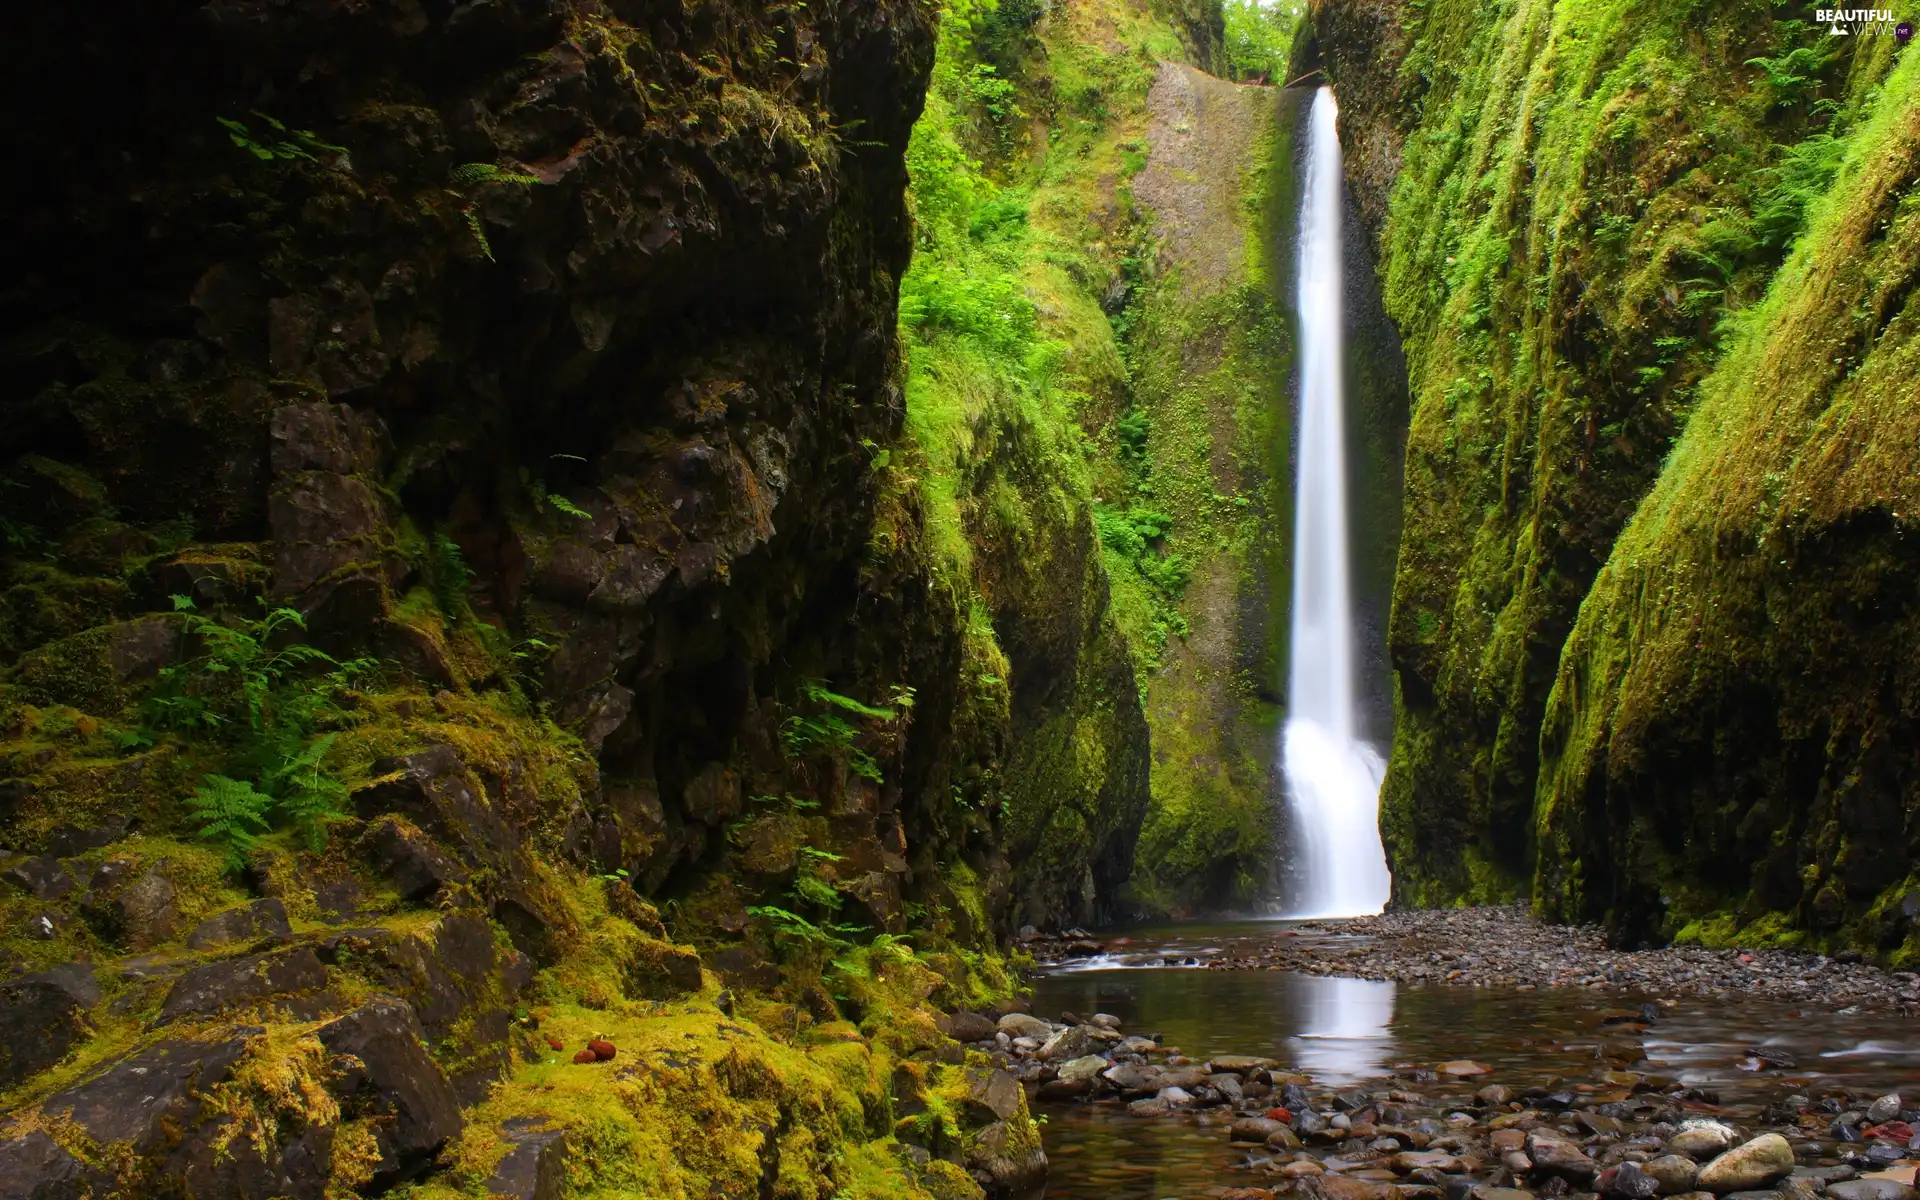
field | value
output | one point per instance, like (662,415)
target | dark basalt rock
(149,1108)
(535,1169)
(992,1095)
(35,1167)
(217,987)
(412,863)
(459,982)
(396,1085)
(260,919)
(434,790)
(68,841)
(148,1098)
(42,1016)
(145,910)
(42,877)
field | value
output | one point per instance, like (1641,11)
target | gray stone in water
(1083,1068)
(1498,1193)
(1068,1044)
(1627,1179)
(1555,1155)
(1701,1140)
(1132,1078)
(1794,1188)
(1886,1108)
(1675,1173)
(1871,1189)
(1184,1077)
(1753,1165)
(1021,1025)
(1253,1129)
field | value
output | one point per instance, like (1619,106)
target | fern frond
(229,811)
(472,214)
(473,174)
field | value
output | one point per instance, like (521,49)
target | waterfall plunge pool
(1343,1031)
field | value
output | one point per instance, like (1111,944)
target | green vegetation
(1077,413)
(262,697)
(1260,38)
(277,143)
(1711,636)
(1591,194)
(824,730)
(465,181)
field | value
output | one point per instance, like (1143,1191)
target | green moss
(1579,208)
(1711,635)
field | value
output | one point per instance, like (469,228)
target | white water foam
(1333,777)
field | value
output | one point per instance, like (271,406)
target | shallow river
(1344,1030)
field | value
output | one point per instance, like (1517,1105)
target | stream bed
(1342,1031)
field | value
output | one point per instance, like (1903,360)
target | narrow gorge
(838,599)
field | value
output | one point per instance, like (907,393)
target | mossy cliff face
(1730,741)
(1095,397)
(451,455)
(1580,210)
(1211,354)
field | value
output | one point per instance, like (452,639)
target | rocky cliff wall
(1578,208)
(449,525)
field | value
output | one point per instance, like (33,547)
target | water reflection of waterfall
(1345,1027)
(1332,777)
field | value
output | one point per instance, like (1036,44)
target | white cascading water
(1332,777)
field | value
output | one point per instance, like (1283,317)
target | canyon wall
(1607,699)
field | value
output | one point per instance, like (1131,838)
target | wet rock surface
(1429,1132)
(1506,947)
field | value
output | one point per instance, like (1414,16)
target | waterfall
(1332,777)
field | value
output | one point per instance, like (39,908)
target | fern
(1803,174)
(231,812)
(810,887)
(265,697)
(468,176)
(562,504)
(448,576)
(308,798)
(797,928)
(1789,75)
(472,213)
(279,143)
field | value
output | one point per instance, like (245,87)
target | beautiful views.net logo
(1845,22)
